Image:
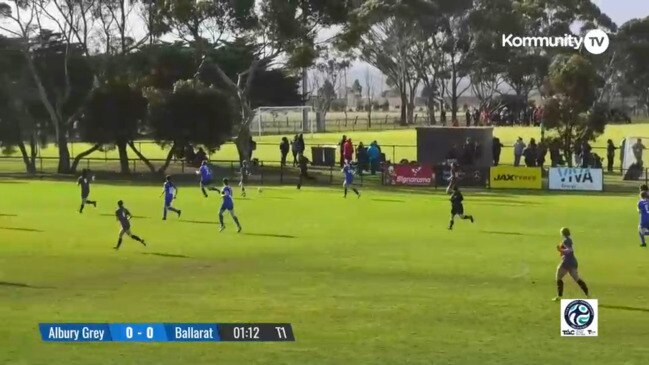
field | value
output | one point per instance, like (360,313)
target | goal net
(634,165)
(285,120)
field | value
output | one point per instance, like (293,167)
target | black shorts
(457,210)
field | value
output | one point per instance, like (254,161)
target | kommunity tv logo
(596,41)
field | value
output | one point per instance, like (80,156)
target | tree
(571,110)
(633,43)
(192,113)
(369,95)
(113,115)
(356,88)
(326,80)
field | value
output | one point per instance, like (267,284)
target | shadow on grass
(166,255)
(625,308)
(22,229)
(278,198)
(389,200)
(269,235)
(23,285)
(8,215)
(197,222)
(503,233)
(134,216)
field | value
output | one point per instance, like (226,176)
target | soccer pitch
(375,280)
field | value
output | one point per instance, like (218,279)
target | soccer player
(568,264)
(228,204)
(124,217)
(206,178)
(245,171)
(84,181)
(644,188)
(643,209)
(170,193)
(349,179)
(457,208)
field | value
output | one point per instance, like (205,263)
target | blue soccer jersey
(349,174)
(228,203)
(123,216)
(169,191)
(206,174)
(643,209)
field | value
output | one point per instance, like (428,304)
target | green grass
(372,281)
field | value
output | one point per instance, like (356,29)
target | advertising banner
(510,177)
(576,179)
(409,175)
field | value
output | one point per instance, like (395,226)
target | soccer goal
(285,120)
(633,163)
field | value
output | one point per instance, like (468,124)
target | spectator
(542,150)
(555,155)
(530,153)
(610,154)
(443,115)
(468,153)
(377,145)
(342,147)
(476,117)
(300,144)
(586,155)
(348,151)
(361,157)
(467,116)
(374,155)
(200,156)
(638,148)
(496,148)
(453,154)
(304,170)
(294,149)
(622,151)
(284,147)
(519,146)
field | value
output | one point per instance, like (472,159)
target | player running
(568,264)
(206,178)
(170,193)
(349,179)
(124,217)
(245,172)
(643,210)
(228,204)
(84,181)
(457,208)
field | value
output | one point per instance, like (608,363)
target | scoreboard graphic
(166,332)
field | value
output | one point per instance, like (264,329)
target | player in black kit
(457,208)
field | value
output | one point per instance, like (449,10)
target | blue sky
(623,10)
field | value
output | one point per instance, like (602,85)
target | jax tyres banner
(469,176)
(409,175)
(510,177)
(576,179)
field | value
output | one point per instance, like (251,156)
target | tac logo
(579,317)
(575,175)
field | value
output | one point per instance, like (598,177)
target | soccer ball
(259,190)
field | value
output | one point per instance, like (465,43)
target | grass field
(372,281)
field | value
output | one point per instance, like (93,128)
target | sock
(466,217)
(450,225)
(583,286)
(91,202)
(559,288)
(345,192)
(119,243)
(356,191)
(641,235)
(81,211)
(221,219)
(173,209)
(164,213)
(204,192)
(138,239)
(243,191)
(236,220)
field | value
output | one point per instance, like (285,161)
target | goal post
(284,120)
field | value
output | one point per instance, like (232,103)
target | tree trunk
(454,95)
(29,164)
(64,153)
(404,109)
(142,157)
(369,116)
(83,154)
(243,144)
(170,155)
(123,158)
(431,110)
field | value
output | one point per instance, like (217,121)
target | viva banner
(409,175)
(509,177)
(576,179)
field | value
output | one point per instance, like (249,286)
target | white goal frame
(310,127)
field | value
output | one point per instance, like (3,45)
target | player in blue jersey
(206,178)
(170,193)
(349,180)
(228,204)
(568,264)
(84,182)
(643,210)
(124,217)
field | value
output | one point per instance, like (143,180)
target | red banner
(409,175)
